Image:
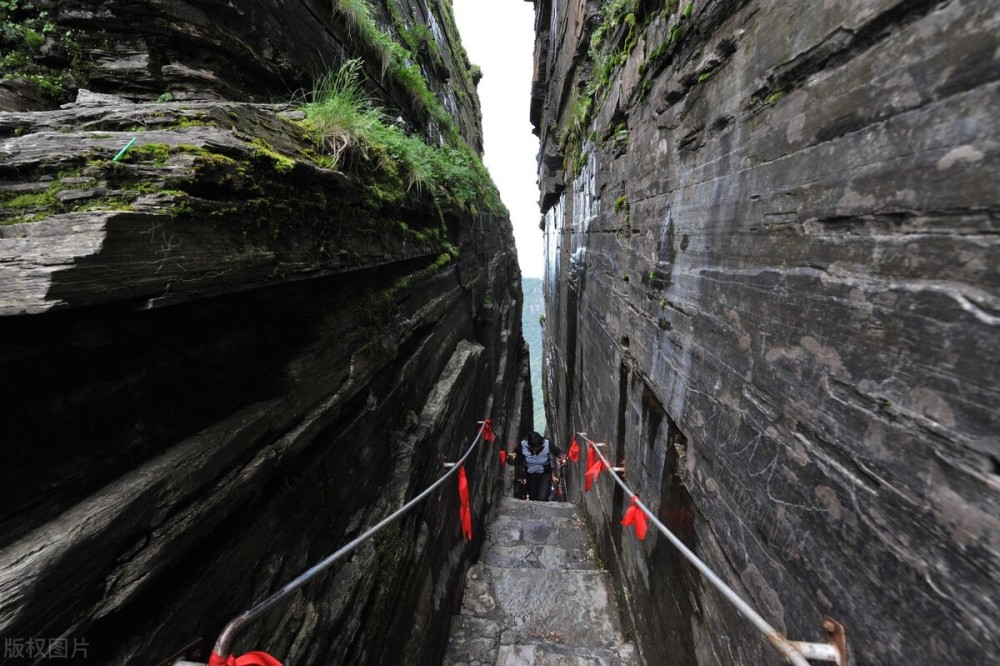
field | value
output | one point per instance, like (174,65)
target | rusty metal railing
(795,652)
(224,644)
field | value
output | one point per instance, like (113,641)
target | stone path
(535,598)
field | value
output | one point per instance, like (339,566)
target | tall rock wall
(772,288)
(225,354)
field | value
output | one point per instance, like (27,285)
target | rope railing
(224,644)
(795,652)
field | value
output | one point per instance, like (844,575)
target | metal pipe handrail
(787,648)
(228,635)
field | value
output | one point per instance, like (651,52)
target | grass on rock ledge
(349,129)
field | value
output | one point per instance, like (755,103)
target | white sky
(499,36)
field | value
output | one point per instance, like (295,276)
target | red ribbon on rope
(593,473)
(636,517)
(464,512)
(590,464)
(488,435)
(248,659)
(574,450)
(503,456)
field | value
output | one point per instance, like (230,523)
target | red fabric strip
(574,450)
(590,463)
(248,659)
(464,512)
(637,518)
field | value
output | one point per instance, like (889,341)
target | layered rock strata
(224,358)
(772,288)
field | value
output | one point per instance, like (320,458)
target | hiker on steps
(533,475)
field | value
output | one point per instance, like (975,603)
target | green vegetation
(418,37)
(647,87)
(657,53)
(340,112)
(397,63)
(24,29)
(342,121)
(606,54)
(35,206)
(281,163)
(774,97)
(618,136)
(611,43)
(157,153)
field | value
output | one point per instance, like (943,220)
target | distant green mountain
(534,308)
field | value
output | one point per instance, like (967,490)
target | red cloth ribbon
(503,457)
(464,512)
(488,435)
(590,463)
(593,473)
(248,659)
(637,518)
(574,450)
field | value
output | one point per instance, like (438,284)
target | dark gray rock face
(772,287)
(223,360)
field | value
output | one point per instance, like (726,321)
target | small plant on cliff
(339,112)
(342,120)
(397,63)
(24,29)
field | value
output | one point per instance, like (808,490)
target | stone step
(575,606)
(535,598)
(526,541)
(539,557)
(553,654)
(478,641)
(515,507)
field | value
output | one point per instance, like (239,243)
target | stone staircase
(536,598)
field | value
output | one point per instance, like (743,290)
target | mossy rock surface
(240,196)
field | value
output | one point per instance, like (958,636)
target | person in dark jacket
(533,467)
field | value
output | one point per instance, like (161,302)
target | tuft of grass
(339,112)
(397,63)
(342,120)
